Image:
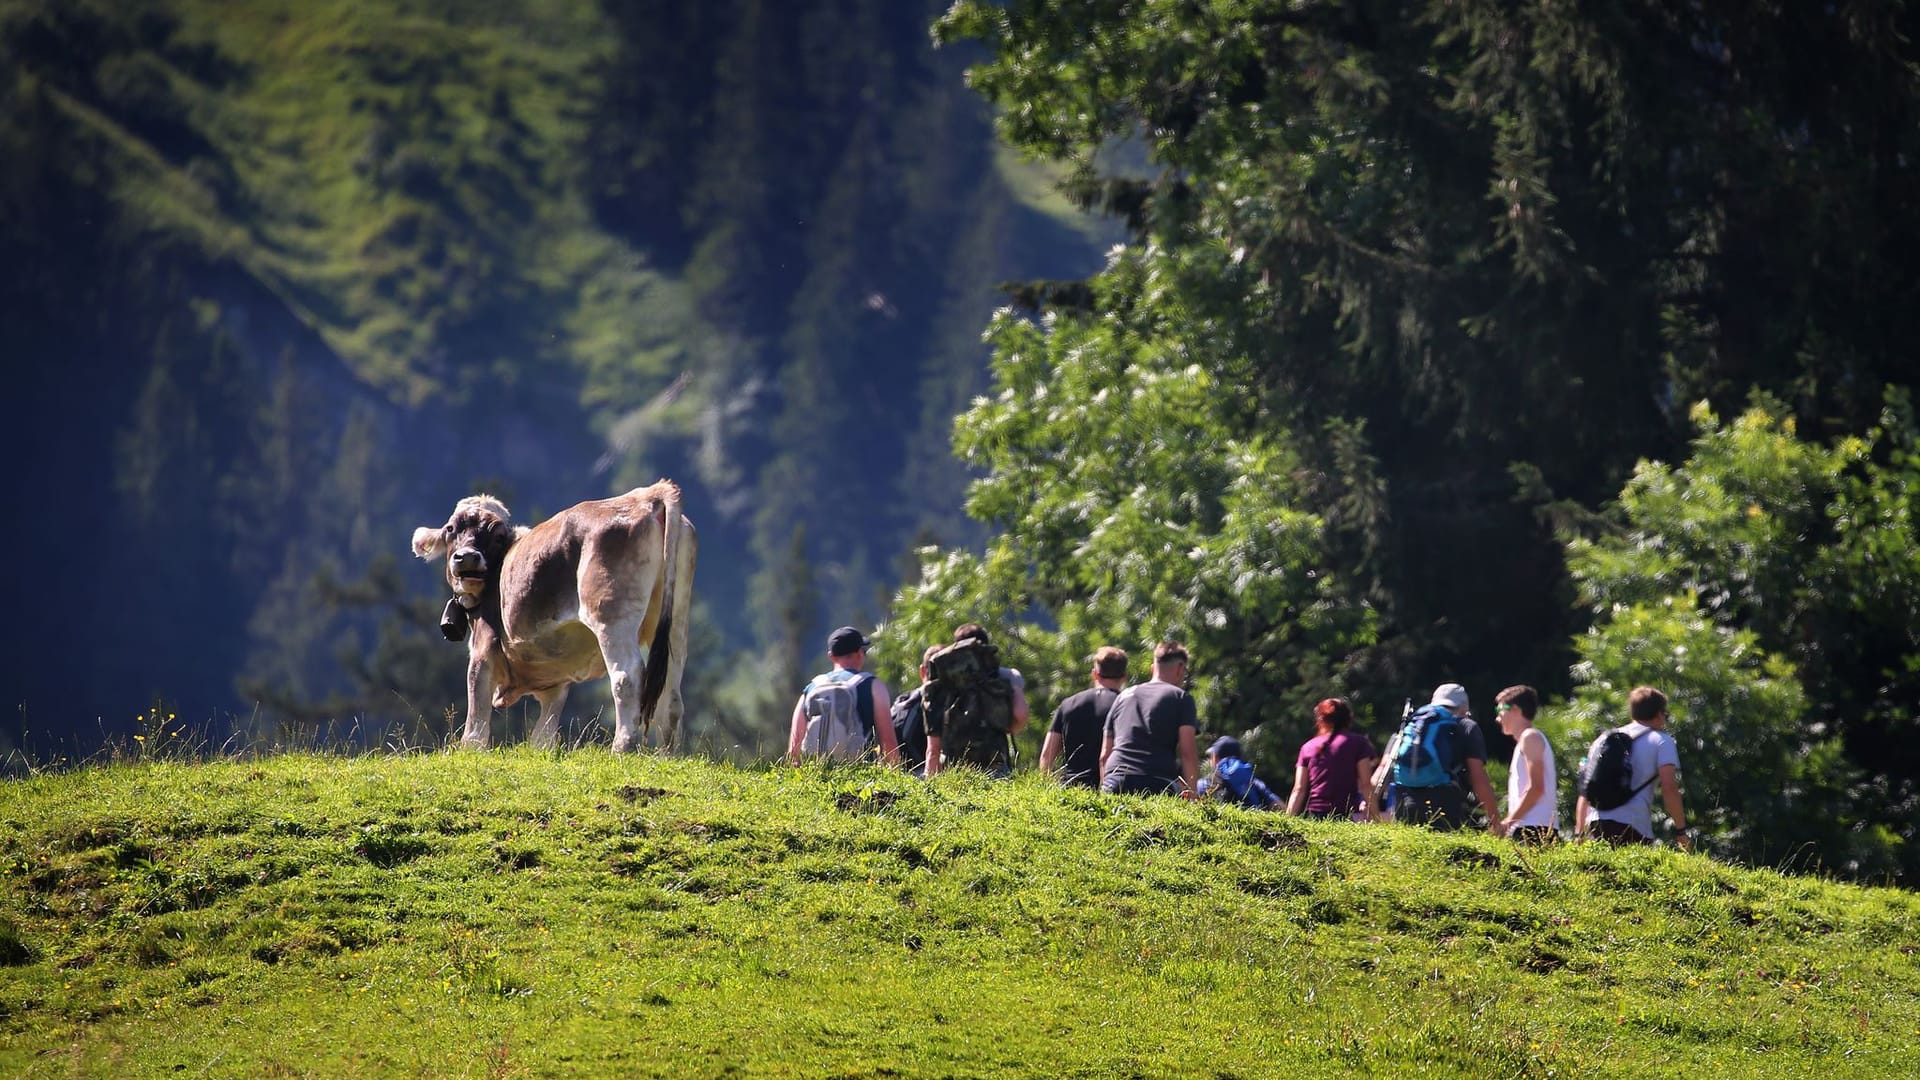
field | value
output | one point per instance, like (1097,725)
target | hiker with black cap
(834,717)
(1231,777)
(1437,747)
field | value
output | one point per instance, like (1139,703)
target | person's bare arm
(1483,791)
(1106,751)
(1377,783)
(1670,795)
(798,735)
(933,755)
(1190,760)
(1297,801)
(883,723)
(1377,786)
(1580,809)
(1364,778)
(1019,711)
(1050,752)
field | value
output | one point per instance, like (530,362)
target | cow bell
(453,621)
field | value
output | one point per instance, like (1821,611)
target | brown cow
(572,599)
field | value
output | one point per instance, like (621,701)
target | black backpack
(973,702)
(1606,775)
(909,712)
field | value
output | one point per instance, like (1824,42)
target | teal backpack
(1427,748)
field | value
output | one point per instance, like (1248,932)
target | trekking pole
(1384,771)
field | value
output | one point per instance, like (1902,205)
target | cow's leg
(546,730)
(620,646)
(681,605)
(479,703)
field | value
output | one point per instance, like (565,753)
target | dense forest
(1507,344)
(1361,345)
(285,280)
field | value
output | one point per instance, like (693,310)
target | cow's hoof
(471,743)
(627,744)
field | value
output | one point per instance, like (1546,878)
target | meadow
(517,913)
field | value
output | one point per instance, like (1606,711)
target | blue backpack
(1235,779)
(1427,749)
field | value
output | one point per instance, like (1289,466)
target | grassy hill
(520,914)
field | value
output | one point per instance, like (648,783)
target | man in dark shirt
(1081,720)
(1150,744)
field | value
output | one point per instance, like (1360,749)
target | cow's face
(473,541)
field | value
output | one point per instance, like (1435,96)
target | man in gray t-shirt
(1656,765)
(1151,742)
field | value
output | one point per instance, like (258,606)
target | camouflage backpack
(972,699)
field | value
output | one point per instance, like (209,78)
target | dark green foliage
(1495,236)
(1469,263)
(1768,584)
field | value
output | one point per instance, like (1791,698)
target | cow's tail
(659,651)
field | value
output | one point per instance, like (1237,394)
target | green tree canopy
(1497,240)
(1141,499)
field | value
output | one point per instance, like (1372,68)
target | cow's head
(474,541)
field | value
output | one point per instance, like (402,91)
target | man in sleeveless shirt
(1533,789)
(847,652)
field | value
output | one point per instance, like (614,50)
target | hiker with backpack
(1621,770)
(1150,743)
(1333,767)
(835,716)
(974,706)
(1231,777)
(1436,747)
(1080,720)
(1533,788)
(909,717)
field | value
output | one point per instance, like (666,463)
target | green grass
(521,914)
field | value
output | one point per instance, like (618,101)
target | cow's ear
(499,536)
(427,542)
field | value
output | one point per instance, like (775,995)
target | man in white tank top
(1533,789)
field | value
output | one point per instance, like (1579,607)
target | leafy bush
(1141,499)
(1771,586)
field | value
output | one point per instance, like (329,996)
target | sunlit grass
(517,912)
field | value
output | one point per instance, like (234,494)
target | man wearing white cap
(1453,746)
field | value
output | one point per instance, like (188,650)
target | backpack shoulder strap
(1633,740)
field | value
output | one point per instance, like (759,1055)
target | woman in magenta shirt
(1334,765)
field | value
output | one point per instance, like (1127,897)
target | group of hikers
(1142,738)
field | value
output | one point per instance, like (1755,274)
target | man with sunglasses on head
(1533,792)
(1151,742)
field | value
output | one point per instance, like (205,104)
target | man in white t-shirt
(1656,764)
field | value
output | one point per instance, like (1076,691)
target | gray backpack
(831,704)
